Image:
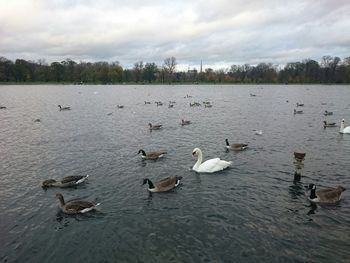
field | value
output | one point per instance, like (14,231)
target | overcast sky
(219,32)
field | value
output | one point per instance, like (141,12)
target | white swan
(209,166)
(344,129)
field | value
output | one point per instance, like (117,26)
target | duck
(154,127)
(163,185)
(147,102)
(63,108)
(37,120)
(183,122)
(325,196)
(209,166)
(300,104)
(171,106)
(75,206)
(3,108)
(208,106)
(252,95)
(236,146)
(328,113)
(329,124)
(258,132)
(298,111)
(120,106)
(344,129)
(67,181)
(151,155)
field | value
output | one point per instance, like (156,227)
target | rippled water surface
(254,211)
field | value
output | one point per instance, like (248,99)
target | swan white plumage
(344,129)
(209,166)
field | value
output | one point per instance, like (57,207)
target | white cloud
(218,32)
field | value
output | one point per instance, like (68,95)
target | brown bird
(236,146)
(151,155)
(75,206)
(326,196)
(67,181)
(163,185)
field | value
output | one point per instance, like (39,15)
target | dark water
(253,212)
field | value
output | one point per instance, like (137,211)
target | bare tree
(170,66)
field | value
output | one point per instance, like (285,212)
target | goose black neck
(313,194)
(142,152)
(227,142)
(150,184)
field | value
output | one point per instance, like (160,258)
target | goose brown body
(163,185)
(326,195)
(67,181)
(236,146)
(154,127)
(75,206)
(151,155)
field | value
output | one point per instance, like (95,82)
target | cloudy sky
(219,32)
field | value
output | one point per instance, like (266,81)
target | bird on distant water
(75,206)
(155,127)
(236,146)
(183,122)
(344,129)
(163,185)
(63,108)
(151,155)
(67,181)
(326,196)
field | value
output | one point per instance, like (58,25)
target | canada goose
(37,120)
(183,122)
(171,106)
(75,206)
(154,127)
(151,155)
(326,196)
(163,185)
(328,113)
(208,105)
(329,124)
(252,95)
(298,111)
(159,103)
(63,108)
(236,146)
(147,102)
(120,106)
(300,104)
(3,108)
(109,113)
(67,181)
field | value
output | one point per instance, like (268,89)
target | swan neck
(199,161)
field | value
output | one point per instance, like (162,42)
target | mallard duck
(154,127)
(163,185)
(151,155)
(329,124)
(75,206)
(326,196)
(67,181)
(209,166)
(63,108)
(236,146)
(183,122)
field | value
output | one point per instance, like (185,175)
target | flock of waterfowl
(328,195)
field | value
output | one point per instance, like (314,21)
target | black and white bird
(163,185)
(325,196)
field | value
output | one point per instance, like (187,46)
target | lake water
(252,212)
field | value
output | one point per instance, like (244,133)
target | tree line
(328,70)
